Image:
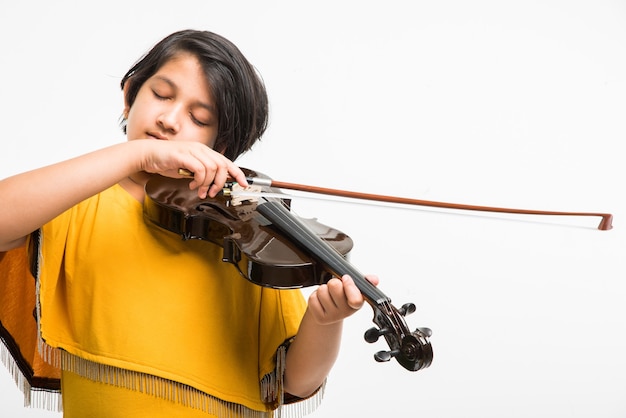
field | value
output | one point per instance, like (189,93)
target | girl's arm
(313,352)
(31,199)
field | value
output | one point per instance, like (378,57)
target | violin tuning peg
(426,331)
(407,308)
(384,356)
(372,334)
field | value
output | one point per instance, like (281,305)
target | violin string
(291,225)
(332,257)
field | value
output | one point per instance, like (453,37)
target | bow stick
(606,221)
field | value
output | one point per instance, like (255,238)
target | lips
(157,136)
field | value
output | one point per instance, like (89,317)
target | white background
(514,104)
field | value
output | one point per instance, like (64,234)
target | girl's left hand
(337,299)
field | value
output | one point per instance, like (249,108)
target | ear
(126,104)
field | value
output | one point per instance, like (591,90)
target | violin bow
(606,222)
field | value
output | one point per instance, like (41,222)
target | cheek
(140,120)
(193,133)
(132,127)
(212,138)
(207,136)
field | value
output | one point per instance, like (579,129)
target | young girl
(138,321)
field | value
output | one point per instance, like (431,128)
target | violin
(272,247)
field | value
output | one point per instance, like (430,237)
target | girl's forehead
(184,63)
(183,70)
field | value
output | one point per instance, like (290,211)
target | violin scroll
(373,334)
(411,349)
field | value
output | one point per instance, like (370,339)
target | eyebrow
(207,106)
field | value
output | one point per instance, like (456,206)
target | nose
(169,119)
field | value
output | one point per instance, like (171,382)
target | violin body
(262,255)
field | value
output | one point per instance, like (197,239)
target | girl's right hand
(210,169)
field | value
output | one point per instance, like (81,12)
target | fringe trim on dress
(47,399)
(280,405)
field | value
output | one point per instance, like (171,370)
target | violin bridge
(236,199)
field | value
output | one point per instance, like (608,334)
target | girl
(139,322)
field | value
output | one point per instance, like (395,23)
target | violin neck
(294,228)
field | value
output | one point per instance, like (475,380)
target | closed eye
(198,121)
(158,96)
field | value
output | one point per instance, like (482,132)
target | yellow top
(134,306)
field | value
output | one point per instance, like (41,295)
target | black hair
(236,87)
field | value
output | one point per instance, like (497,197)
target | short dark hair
(236,87)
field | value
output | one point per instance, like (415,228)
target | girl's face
(174,104)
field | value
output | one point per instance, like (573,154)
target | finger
(225,170)
(217,184)
(373,279)
(207,162)
(199,181)
(353,296)
(238,175)
(330,294)
(317,303)
(336,294)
